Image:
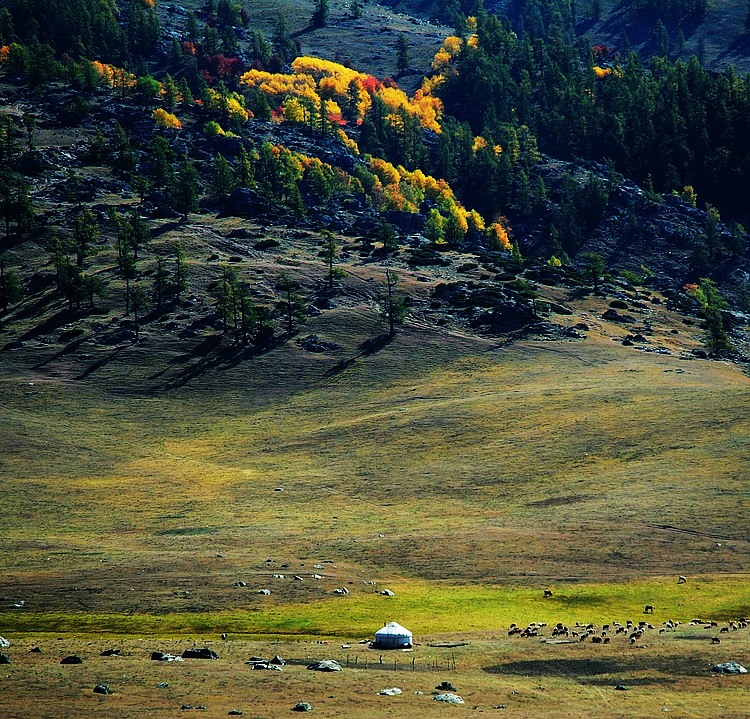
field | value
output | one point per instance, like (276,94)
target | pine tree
(222,178)
(402,53)
(185,189)
(85,234)
(320,14)
(10,288)
(291,300)
(394,308)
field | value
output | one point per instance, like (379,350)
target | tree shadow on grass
(213,356)
(63,317)
(367,348)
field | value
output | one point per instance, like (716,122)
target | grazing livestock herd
(630,630)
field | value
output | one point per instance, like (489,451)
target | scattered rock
(277,660)
(325,665)
(445,687)
(313,343)
(102,689)
(614,316)
(162,685)
(35,650)
(449,698)
(729,668)
(4,643)
(240,584)
(202,653)
(341,590)
(111,653)
(621,688)
(4,659)
(72,659)
(392,692)
(161,657)
(619,304)
(302,707)
(235,712)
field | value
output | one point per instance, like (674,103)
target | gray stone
(326,665)
(449,698)
(102,689)
(729,668)
(392,692)
(302,707)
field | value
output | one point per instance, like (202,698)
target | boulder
(243,203)
(302,707)
(449,698)
(325,665)
(277,660)
(4,643)
(445,687)
(392,692)
(614,316)
(201,653)
(729,668)
(71,659)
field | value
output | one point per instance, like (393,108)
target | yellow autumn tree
(166,119)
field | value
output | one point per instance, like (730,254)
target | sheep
(547,593)
(681,579)
(715,640)
(648,609)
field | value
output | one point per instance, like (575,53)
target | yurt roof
(393,628)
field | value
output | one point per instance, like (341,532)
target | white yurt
(393,636)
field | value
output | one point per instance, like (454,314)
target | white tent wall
(393,636)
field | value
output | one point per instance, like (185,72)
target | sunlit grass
(426,608)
